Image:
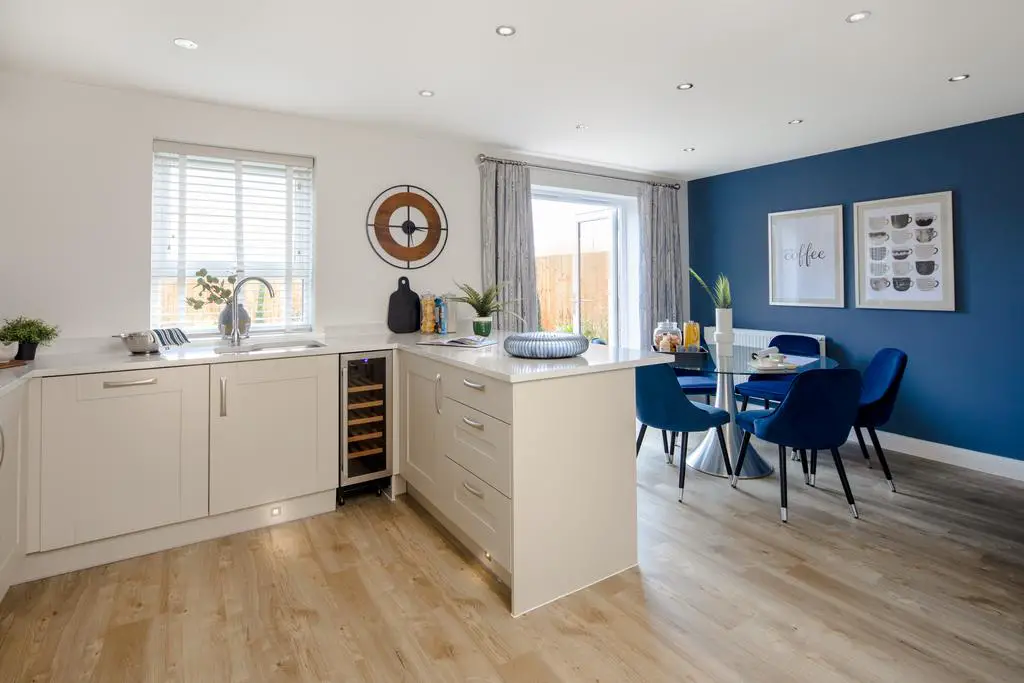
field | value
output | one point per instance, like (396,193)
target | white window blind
(231,212)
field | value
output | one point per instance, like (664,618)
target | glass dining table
(708,456)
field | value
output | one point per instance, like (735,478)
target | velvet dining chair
(770,387)
(816,415)
(882,381)
(660,404)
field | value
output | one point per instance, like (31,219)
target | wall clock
(407,227)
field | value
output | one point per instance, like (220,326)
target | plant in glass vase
(218,291)
(721,297)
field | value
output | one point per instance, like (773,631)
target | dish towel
(171,336)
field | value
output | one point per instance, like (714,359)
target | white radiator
(760,338)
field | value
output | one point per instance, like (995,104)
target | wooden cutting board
(4,365)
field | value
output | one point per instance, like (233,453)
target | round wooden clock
(407,227)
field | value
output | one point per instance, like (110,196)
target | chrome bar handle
(473,423)
(3,445)
(473,385)
(437,386)
(223,396)
(130,383)
(476,492)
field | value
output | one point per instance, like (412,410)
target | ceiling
(610,64)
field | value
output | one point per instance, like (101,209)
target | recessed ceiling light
(858,16)
(580,127)
(186,44)
(505,31)
(795,122)
(684,86)
(689,149)
(961,77)
(426,93)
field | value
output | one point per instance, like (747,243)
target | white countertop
(491,361)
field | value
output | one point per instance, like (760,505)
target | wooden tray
(4,365)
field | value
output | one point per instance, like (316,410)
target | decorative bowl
(545,345)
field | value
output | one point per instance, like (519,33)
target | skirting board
(951,455)
(51,563)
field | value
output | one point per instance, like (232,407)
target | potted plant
(29,333)
(721,297)
(218,291)
(485,304)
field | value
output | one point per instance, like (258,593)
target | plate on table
(773,367)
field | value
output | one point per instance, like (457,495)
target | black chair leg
(671,448)
(664,440)
(814,466)
(803,465)
(881,457)
(682,468)
(707,399)
(684,447)
(725,450)
(740,458)
(783,492)
(640,439)
(845,482)
(767,404)
(863,448)
(746,399)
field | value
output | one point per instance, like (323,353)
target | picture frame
(903,253)
(805,258)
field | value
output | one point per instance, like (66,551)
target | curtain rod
(483,157)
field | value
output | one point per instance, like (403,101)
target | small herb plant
(485,303)
(721,295)
(27,331)
(212,290)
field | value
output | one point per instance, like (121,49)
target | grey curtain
(662,270)
(506,239)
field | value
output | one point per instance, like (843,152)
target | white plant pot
(723,331)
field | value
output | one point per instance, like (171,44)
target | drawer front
(480,511)
(487,395)
(480,443)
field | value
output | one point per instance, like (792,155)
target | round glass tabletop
(739,363)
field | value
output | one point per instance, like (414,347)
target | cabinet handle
(3,445)
(476,492)
(437,386)
(473,423)
(130,383)
(473,385)
(223,396)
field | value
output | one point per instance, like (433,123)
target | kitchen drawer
(487,395)
(480,443)
(480,511)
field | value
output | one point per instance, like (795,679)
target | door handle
(130,383)
(3,445)
(437,387)
(473,385)
(476,492)
(473,423)
(223,396)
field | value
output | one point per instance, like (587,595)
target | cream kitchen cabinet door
(122,452)
(273,430)
(421,393)
(12,543)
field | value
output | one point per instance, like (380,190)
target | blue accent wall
(965,382)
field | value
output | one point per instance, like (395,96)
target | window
(232,213)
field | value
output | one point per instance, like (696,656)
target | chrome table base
(708,457)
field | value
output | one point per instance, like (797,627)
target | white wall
(75,221)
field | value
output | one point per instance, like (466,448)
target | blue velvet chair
(773,387)
(816,414)
(881,385)
(661,405)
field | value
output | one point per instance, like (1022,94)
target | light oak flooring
(928,586)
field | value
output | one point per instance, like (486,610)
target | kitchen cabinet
(11,494)
(420,394)
(122,452)
(273,430)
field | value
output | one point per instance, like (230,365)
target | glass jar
(691,336)
(667,336)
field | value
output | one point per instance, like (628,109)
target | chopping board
(4,364)
(404,308)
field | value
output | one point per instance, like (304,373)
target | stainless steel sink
(271,347)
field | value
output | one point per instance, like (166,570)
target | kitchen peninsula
(528,463)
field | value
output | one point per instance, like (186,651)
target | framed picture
(805,258)
(904,253)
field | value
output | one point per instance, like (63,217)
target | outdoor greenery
(485,303)
(721,295)
(213,290)
(27,331)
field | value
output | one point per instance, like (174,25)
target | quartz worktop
(491,361)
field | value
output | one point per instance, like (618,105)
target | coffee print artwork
(904,253)
(805,257)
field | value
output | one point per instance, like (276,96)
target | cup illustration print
(927,284)
(901,284)
(879,253)
(902,236)
(923,220)
(899,254)
(878,237)
(878,223)
(902,268)
(880,283)
(925,251)
(925,234)
(879,269)
(900,220)
(926,267)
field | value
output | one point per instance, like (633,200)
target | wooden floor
(928,586)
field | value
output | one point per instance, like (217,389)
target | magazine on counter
(470,342)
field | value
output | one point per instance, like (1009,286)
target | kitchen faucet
(236,335)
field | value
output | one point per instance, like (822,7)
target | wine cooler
(366,421)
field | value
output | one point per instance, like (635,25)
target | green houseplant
(29,333)
(484,303)
(721,297)
(218,291)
